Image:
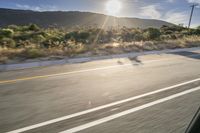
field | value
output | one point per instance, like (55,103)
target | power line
(192,11)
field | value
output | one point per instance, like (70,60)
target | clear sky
(175,11)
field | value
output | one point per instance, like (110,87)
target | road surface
(152,93)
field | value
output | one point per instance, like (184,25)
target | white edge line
(112,117)
(98,108)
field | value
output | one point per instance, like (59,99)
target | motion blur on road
(95,96)
(99,66)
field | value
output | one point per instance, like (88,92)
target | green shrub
(173,28)
(38,38)
(33,53)
(7,42)
(169,32)
(84,35)
(127,36)
(14,27)
(23,36)
(103,37)
(6,32)
(33,27)
(78,36)
(173,36)
(71,35)
(138,37)
(152,34)
(196,31)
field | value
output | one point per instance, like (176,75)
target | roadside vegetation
(19,43)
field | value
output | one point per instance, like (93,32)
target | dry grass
(7,54)
(189,41)
(31,42)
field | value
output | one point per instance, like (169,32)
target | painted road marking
(60,74)
(99,108)
(80,71)
(115,116)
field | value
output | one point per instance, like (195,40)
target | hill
(72,19)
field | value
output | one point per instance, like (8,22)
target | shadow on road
(120,62)
(134,60)
(188,54)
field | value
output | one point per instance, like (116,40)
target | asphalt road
(152,93)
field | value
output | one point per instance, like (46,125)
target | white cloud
(176,17)
(27,7)
(37,8)
(155,12)
(194,1)
(150,11)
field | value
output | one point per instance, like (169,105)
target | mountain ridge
(72,19)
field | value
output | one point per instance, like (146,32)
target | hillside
(72,19)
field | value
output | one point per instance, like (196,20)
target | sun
(113,7)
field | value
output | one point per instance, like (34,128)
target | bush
(33,53)
(196,31)
(34,42)
(23,36)
(14,27)
(104,37)
(84,35)
(173,28)
(71,35)
(6,32)
(138,37)
(52,43)
(7,42)
(127,36)
(38,38)
(152,34)
(168,32)
(78,36)
(33,27)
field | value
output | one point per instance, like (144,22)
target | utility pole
(192,11)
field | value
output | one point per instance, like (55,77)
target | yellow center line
(60,74)
(26,78)
(79,71)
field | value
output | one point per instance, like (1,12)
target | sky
(175,11)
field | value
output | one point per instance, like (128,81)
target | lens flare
(113,7)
